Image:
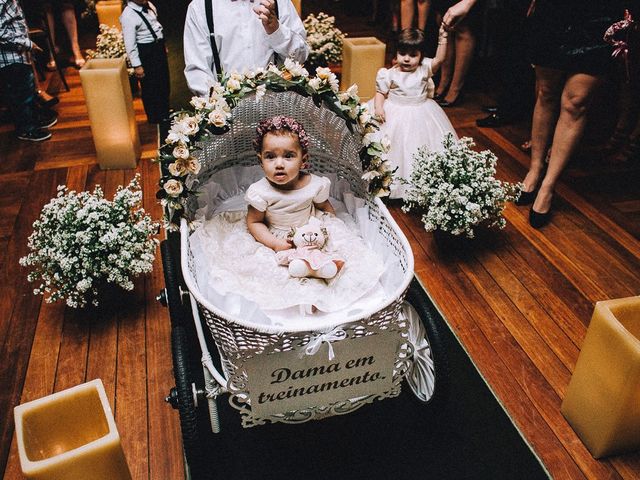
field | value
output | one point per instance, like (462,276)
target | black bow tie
(145,9)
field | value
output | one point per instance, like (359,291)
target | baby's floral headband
(281,122)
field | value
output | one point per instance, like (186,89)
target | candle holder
(601,402)
(361,59)
(70,435)
(108,12)
(107,91)
(298,5)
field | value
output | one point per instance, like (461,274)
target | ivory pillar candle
(70,435)
(298,5)
(108,12)
(107,91)
(361,59)
(602,402)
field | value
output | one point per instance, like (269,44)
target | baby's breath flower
(82,241)
(456,188)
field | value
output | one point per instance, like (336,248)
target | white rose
(198,102)
(193,165)
(173,187)
(260,91)
(233,85)
(178,168)
(181,151)
(217,118)
(314,83)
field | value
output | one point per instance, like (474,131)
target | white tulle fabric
(241,276)
(412,118)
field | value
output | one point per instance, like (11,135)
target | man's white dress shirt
(241,39)
(135,31)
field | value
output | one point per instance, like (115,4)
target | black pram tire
(191,441)
(170,251)
(418,300)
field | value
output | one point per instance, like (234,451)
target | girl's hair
(411,39)
(280,125)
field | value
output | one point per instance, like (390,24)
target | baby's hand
(267,14)
(281,244)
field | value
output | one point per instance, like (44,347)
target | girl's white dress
(241,265)
(412,117)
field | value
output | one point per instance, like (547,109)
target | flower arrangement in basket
(110,44)
(212,115)
(456,189)
(82,241)
(324,39)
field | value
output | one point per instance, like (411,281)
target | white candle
(107,92)
(361,60)
(70,435)
(108,12)
(602,402)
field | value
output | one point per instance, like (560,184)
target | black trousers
(155,84)
(19,89)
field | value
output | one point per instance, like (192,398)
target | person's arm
(128,23)
(441,51)
(260,231)
(286,35)
(378,106)
(456,13)
(198,57)
(13,28)
(325,207)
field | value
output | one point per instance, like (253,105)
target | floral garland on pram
(212,116)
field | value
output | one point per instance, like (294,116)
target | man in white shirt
(247,35)
(144,42)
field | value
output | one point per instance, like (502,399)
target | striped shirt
(14,38)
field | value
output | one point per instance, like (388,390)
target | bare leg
(465,44)
(52,29)
(574,104)
(549,83)
(406,13)
(69,21)
(423,13)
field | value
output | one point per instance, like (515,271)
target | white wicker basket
(333,150)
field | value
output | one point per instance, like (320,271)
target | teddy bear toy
(308,259)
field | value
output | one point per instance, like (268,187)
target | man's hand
(139,72)
(266,11)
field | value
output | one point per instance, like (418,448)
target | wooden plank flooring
(519,300)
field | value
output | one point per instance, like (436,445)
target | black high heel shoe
(537,219)
(445,104)
(439,97)
(526,198)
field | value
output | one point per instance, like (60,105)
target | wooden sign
(326,371)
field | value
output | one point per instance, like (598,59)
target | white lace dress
(413,118)
(238,264)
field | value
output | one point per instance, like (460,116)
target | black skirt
(568,35)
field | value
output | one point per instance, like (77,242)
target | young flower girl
(404,103)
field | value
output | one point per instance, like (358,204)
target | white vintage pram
(292,376)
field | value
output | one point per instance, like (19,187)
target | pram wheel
(185,403)
(184,366)
(429,377)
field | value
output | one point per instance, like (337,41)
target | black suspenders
(146,22)
(208,7)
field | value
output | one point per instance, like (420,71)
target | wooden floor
(519,300)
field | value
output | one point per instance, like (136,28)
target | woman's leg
(69,20)
(465,45)
(577,95)
(406,13)
(51,23)
(549,83)
(423,13)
